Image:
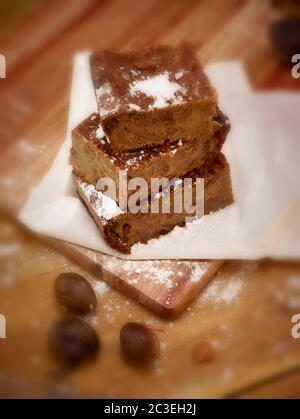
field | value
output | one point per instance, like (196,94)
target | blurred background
(38,39)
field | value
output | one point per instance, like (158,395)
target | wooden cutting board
(165,287)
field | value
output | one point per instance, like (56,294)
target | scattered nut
(139,343)
(72,341)
(75,293)
(203,352)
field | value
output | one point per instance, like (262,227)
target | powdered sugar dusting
(104,90)
(27,147)
(105,207)
(100,288)
(107,102)
(163,91)
(198,269)
(179,75)
(150,270)
(133,107)
(294,282)
(290,295)
(100,134)
(222,292)
(9,249)
(167,273)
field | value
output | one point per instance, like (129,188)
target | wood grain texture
(165,287)
(245,312)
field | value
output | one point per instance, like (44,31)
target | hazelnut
(75,293)
(202,352)
(138,342)
(72,341)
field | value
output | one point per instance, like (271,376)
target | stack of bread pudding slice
(157,117)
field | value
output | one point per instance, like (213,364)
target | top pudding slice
(151,96)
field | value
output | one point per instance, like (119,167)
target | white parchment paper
(263,149)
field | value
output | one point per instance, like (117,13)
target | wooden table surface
(246,311)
